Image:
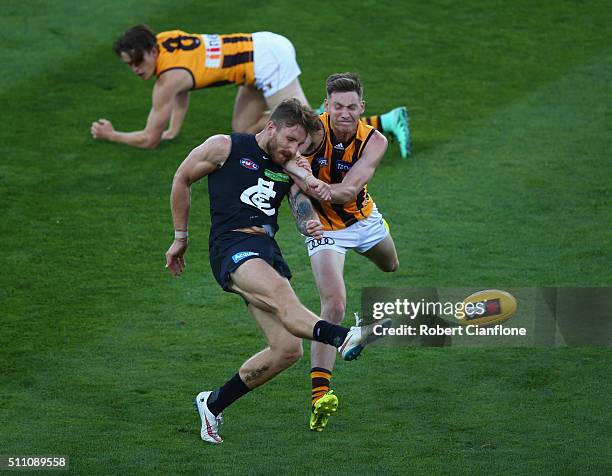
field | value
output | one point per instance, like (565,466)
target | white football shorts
(274,62)
(360,236)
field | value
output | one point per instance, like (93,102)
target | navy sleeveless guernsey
(248,190)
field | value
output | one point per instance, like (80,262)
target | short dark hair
(343,83)
(292,112)
(135,41)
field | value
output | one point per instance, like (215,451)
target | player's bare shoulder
(205,158)
(176,80)
(214,150)
(220,144)
(375,148)
(377,142)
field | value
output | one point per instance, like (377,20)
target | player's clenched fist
(102,129)
(318,189)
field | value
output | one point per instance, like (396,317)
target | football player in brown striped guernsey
(345,154)
(263,65)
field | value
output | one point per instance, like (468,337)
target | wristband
(180,234)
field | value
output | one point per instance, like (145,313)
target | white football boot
(210,422)
(359,337)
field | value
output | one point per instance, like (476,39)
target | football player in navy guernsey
(246,184)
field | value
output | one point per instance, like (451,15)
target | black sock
(224,396)
(329,333)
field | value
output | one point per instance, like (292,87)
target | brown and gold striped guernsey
(330,163)
(212,60)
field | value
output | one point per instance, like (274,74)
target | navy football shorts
(233,248)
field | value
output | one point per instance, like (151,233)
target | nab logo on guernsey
(249,164)
(243,254)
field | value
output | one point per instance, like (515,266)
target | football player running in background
(345,154)
(246,186)
(263,66)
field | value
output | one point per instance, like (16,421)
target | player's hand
(302,161)
(318,189)
(102,129)
(175,261)
(168,135)
(314,229)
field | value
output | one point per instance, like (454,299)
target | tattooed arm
(306,217)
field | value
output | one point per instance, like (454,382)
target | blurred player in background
(345,154)
(263,66)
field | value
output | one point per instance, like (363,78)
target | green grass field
(102,351)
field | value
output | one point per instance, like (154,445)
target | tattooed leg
(284,350)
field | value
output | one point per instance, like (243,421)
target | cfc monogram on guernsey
(248,190)
(330,163)
(212,60)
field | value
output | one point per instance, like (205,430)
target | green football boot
(321,411)
(397,122)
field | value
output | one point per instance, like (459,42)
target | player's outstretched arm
(362,172)
(179,111)
(201,161)
(165,90)
(306,217)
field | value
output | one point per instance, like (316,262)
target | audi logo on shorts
(312,244)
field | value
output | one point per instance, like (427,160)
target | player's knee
(333,309)
(289,353)
(388,265)
(391,266)
(240,125)
(294,353)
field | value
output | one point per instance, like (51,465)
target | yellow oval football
(486,308)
